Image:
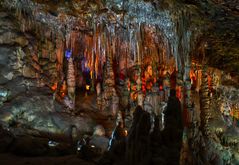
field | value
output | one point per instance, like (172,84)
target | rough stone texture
(6,73)
(23,104)
(28,72)
(221,146)
(39,113)
(8,32)
(99,130)
(100,142)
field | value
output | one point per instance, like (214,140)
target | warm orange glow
(178,92)
(192,76)
(63,87)
(133,95)
(134,87)
(125,132)
(91,74)
(87,87)
(63,94)
(128,85)
(54,87)
(149,85)
(235,113)
(209,82)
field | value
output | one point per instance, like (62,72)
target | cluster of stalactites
(136,42)
(128,47)
(140,45)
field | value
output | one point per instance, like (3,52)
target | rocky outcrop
(26,101)
(205,114)
(220,145)
(39,112)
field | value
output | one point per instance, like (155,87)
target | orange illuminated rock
(54,87)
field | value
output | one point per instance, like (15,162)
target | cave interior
(114,82)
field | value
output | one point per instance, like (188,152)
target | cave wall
(29,69)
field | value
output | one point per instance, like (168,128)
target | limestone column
(71,82)
(205,114)
(187,95)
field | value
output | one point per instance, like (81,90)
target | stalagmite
(187,95)
(110,96)
(71,82)
(199,78)
(205,114)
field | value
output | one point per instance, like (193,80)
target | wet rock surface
(40,113)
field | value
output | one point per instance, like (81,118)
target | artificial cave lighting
(119,82)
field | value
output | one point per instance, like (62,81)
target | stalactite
(93,72)
(110,96)
(187,94)
(59,54)
(199,78)
(138,44)
(68,40)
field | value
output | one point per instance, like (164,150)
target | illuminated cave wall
(143,36)
(61,49)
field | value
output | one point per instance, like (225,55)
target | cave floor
(10,159)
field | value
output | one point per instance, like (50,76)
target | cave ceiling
(213,23)
(223,33)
